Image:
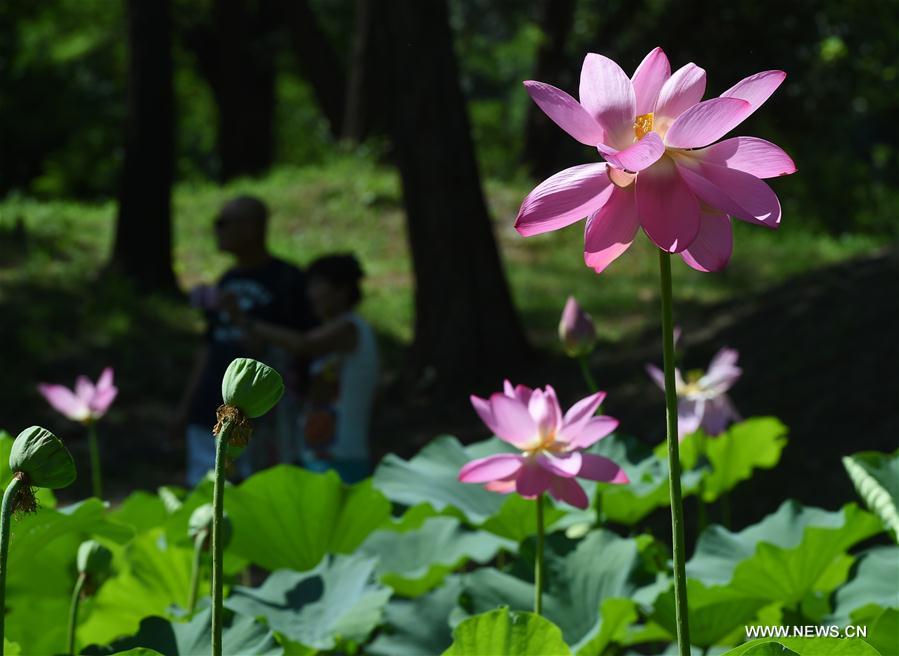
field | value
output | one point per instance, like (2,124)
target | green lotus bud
(93,559)
(252,387)
(43,458)
(200,524)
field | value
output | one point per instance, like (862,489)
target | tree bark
(143,241)
(317,60)
(466,327)
(541,136)
(235,53)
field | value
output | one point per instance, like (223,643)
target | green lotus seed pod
(200,524)
(252,387)
(93,559)
(43,458)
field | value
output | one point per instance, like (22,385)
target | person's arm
(333,337)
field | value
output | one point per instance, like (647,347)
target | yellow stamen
(643,125)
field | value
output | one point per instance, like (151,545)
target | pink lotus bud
(576,330)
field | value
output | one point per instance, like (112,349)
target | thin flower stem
(196,565)
(94,447)
(73,611)
(218,505)
(702,513)
(588,375)
(538,559)
(677,503)
(5,515)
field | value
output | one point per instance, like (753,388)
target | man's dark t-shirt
(274,292)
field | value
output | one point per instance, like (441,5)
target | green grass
(353,204)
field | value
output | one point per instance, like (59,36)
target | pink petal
(579,414)
(566,465)
(610,231)
(722,373)
(689,416)
(532,480)
(544,409)
(520,392)
(569,491)
(608,94)
(102,400)
(713,246)
(637,156)
(105,379)
(599,468)
(648,79)
(657,375)
(566,112)
(595,429)
(482,407)
(491,468)
(668,210)
(751,155)
(706,122)
(505,486)
(724,358)
(64,401)
(719,414)
(756,89)
(84,389)
(512,421)
(751,199)
(682,90)
(564,198)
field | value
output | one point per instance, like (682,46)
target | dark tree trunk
(541,137)
(143,241)
(363,109)
(235,53)
(317,60)
(466,327)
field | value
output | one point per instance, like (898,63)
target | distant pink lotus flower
(551,445)
(88,402)
(702,400)
(576,330)
(663,172)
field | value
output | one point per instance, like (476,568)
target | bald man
(265,288)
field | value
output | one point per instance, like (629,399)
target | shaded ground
(819,351)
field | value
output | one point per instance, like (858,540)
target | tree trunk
(541,137)
(143,241)
(317,60)
(466,327)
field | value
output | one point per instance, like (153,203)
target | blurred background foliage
(835,114)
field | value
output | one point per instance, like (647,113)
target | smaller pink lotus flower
(702,400)
(551,445)
(87,402)
(576,330)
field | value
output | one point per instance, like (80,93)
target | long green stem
(73,611)
(196,565)
(702,513)
(96,474)
(588,375)
(677,503)
(218,506)
(538,559)
(5,515)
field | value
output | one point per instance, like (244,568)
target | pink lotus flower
(88,402)
(702,400)
(663,172)
(551,445)
(576,330)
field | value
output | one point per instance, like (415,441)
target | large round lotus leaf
(41,456)
(251,386)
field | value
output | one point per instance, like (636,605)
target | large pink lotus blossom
(702,400)
(87,402)
(550,443)
(663,170)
